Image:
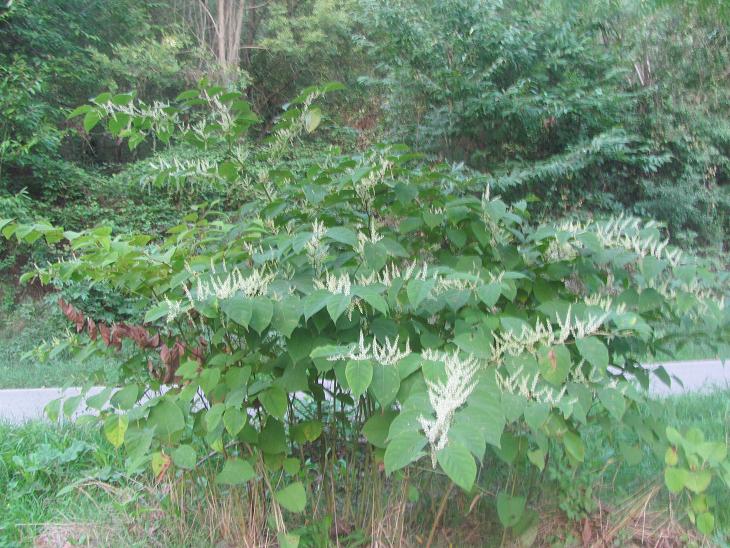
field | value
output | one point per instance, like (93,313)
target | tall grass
(63,484)
(23,329)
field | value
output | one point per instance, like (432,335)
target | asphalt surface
(20,405)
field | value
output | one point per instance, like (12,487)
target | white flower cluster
(174,309)
(337,285)
(444,284)
(704,295)
(527,386)
(589,380)
(446,397)
(625,232)
(363,239)
(316,250)
(391,272)
(514,344)
(558,251)
(387,353)
(227,284)
(365,187)
(200,167)
(155,111)
(498,232)
(285,136)
(605,302)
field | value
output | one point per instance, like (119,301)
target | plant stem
(439,514)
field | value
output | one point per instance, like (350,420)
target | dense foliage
(605,105)
(285,298)
(375,295)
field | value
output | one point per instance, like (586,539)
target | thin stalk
(440,513)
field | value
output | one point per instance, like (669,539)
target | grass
(710,412)
(37,461)
(691,352)
(66,484)
(23,328)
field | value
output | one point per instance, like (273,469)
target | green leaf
(527,529)
(419,290)
(376,428)
(699,481)
(122,98)
(261,314)
(537,457)
(273,437)
(209,379)
(336,305)
(674,478)
(706,523)
(286,316)
(321,356)
(307,431)
(342,235)
(98,401)
(275,401)
(291,465)
(670,457)
(594,352)
(385,383)
(126,397)
(156,312)
(372,297)
(78,111)
(510,509)
(459,465)
(184,457)
(91,118)
(376,255)
(613,401)
(536,414)
(490,293)
(712,452)
(403,449)
(160,463)
(312,119)
(314,302)
(235,472)
(115,426)
(213,416)
(53,409)
(70,405)
(632,454)
(238,309)
(293,497)
(166,418)
(287,540)
(554,363)
(234,420)
(359,374)
(674,437)
(574,446)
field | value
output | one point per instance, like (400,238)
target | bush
(371,295)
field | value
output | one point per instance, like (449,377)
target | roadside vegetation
(364,272)
(67,484)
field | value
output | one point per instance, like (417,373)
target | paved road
(22,404)
(694,376)
(19,405)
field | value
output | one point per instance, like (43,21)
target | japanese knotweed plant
(375,286)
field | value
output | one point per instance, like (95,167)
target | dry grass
(194,511)
(634,522)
